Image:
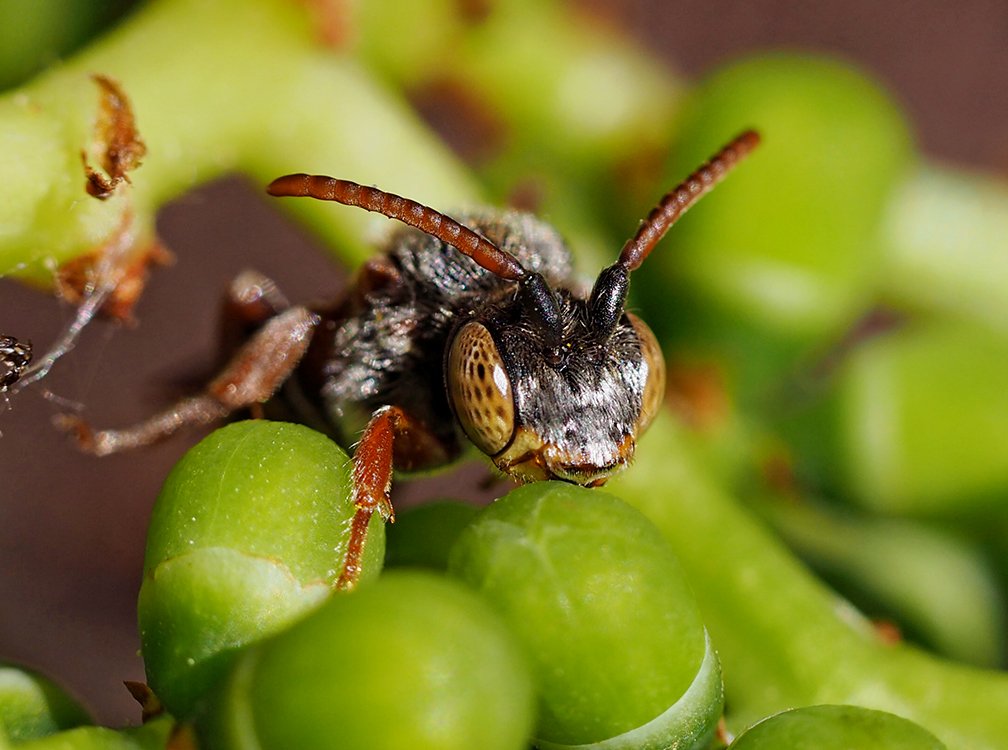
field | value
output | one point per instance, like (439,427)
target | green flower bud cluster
(562,603)
(247,536)
(557,615)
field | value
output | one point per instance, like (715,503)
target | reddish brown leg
(388,433)
(256,296)
(252,376)
(250,301)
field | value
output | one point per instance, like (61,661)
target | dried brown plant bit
(76,278)
(888,631)
(723,734)
(778,472)
(150,706)
(636,174)
(332,20)
(698,393)
(15,356)
(468,119)
(100,280)
(475,11)
(527,194)
(116,139)
(182,737)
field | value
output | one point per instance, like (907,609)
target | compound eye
(654,387)
(480,389)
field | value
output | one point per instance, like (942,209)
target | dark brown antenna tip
(675,203)
(417,215)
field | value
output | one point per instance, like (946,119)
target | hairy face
(567,410)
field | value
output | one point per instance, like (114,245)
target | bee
(469,330)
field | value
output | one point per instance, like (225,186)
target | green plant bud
(836,728)
(784,252)
(921,421)
(422,535)
(249,532)
(597,597)
(33,706)
(412,661)
(944,248)
(151,736)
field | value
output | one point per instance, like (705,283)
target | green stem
(934,583)
(784,638)
(250,91)
(570,113)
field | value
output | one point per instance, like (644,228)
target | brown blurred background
(72,527)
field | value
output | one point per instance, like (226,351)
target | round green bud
(919,421)
(33,706)
(597,598)
(411,661)
(422,535)
(151,736)
(248,533)
(789,236)
(836,728)
(784,252)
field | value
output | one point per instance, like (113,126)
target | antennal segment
(675,203)
(434,223)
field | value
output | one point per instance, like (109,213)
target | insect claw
(386,509)
(78,429)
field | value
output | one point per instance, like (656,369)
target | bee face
(569,410)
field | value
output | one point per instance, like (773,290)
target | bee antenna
(417,215)
(681,198)
(541,305)
(608,296)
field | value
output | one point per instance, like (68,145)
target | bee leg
(250,300)
(392,437)
(251,377)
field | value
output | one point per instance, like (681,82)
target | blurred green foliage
(771,289)
(35,34)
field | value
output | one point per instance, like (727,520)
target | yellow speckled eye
(480,389)
(654,389)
